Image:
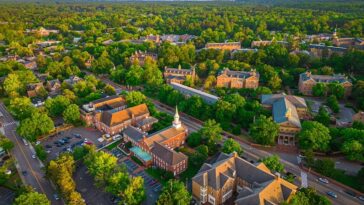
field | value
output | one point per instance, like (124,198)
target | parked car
(351,193)
(33,156)
(25,173)
(48,146)
(361,198)
(77,135)
(323,180)
(37,142)
(25,142)
(332,194)
(56,197)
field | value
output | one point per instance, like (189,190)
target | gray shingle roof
(134,133)
(170,156)
(285,111)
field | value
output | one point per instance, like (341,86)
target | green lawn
(137,160)
(160,175)
(113,145)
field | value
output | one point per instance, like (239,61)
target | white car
(323,180)
(33,156)
(25,142)
(116,137)
(37,143)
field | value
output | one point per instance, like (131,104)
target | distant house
(178,75)
(53,85)
(43,32)
(188,91)
(323,51)
(224,46)
(158,148)
(107,42)
(72,80)
(33,89)
(140,57)
(287,111)
(32,65)
(177,39)
(307,81)
(359,117)
(237,79)
(233,180)
(260,43)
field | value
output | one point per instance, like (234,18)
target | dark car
(351,193)
(48,146)
(24,173)
(77,135)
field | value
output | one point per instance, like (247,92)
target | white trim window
(211,200)
(227,195)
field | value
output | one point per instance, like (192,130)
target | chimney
(308,73)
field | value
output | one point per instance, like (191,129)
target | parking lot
(67,140)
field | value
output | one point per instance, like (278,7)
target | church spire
(176,121)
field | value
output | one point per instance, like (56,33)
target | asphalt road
(255,154)
(35,176)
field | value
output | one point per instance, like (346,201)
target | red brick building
(237,79)
(111,116)
(140,57)
(158,148)
(178,75)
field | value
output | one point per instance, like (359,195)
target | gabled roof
(285,111)
(164,135)
(134,133)
(269,99)
(112,117)
(324,78)
(238,74)
(169,156)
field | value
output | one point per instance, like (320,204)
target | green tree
(336,89)
(21,108)
(333,103)
(57,105)
(41,153)
(5,143)
(353,150)
(224,111)
(135,98)
(308,196)
(174,192)
(230,145)
(109,90)
(194,139)
(315,136)
(264,131)
(101,165)
(323,116)
(118,182)
(32,198)
(71,114)
(35,126)
(319,90)
(134,75)
(273,163)
(134,194)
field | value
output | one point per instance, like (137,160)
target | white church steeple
(176,122)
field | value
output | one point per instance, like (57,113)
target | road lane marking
(26,159)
